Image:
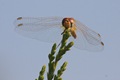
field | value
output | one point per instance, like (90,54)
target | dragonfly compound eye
(66,23)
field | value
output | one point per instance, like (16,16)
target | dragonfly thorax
(69,23)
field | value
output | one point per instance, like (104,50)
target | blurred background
(21,58)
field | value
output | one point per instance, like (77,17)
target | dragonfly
(49,29)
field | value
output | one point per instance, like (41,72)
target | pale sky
(21,58)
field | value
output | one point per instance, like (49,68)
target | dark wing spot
(20,25)
(19,18)
(99,35)
(102,43)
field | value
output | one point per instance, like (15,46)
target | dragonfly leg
(58,45)
(63,32)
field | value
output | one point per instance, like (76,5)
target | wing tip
(102,43)
(19,24)
(19,18)
(99,35)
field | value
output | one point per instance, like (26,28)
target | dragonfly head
(68,22)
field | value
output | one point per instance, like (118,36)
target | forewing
(37,24)
(87,39)
(43,28)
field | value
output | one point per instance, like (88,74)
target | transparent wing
(43,28)
(49,29)
(37,24)
(87,39)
